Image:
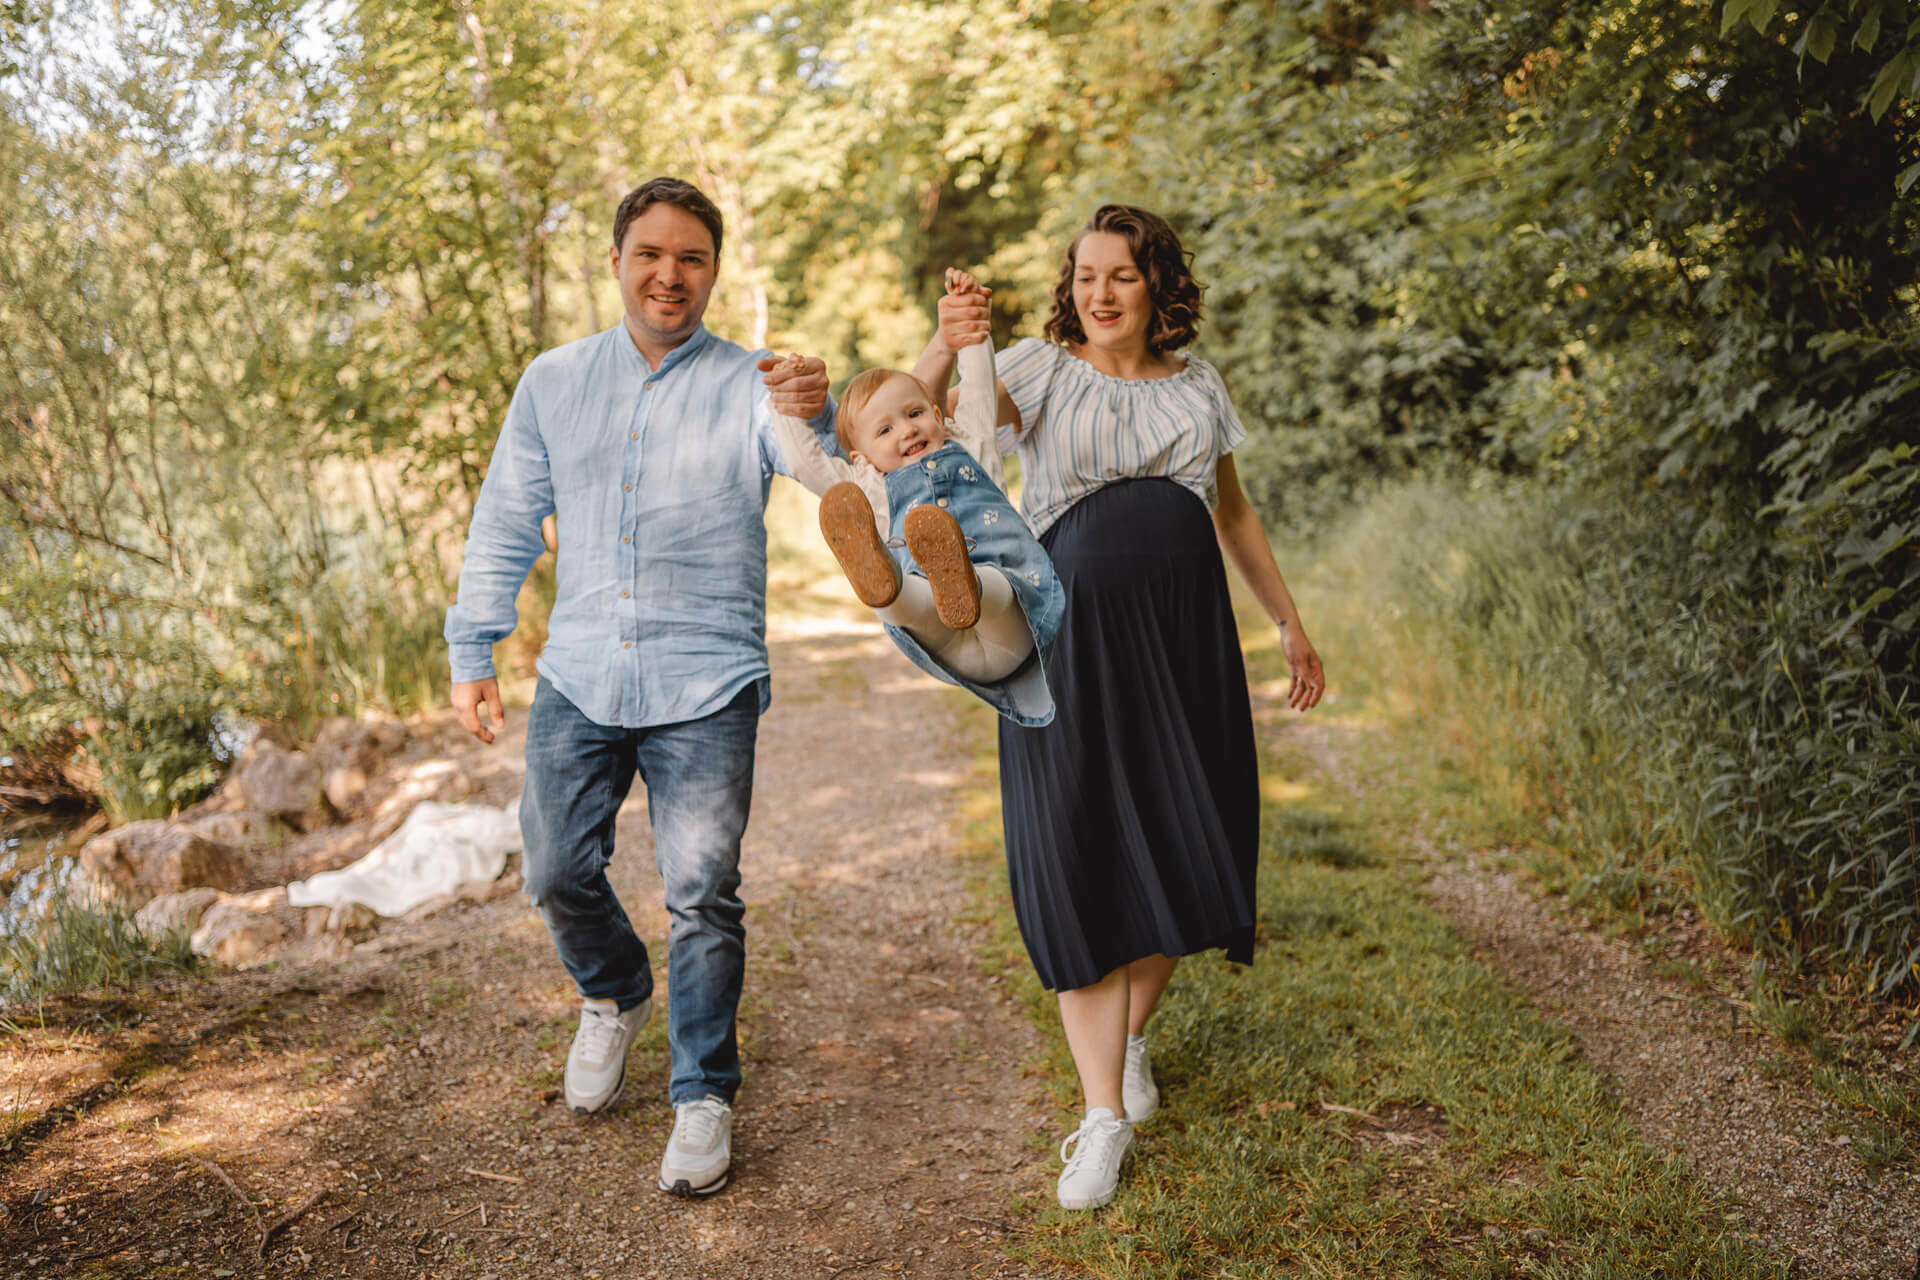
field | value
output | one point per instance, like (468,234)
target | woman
(1132,821)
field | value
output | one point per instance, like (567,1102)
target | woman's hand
(964,318)
(1303,664)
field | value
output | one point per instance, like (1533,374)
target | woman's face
(1110,293)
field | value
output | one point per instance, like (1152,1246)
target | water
(39,856)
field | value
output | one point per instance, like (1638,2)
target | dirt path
(406,1101)
(1699,1077)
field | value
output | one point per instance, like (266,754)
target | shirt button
(941,501)
(625,539)
(633,435)
(626,644)
(931,464)
(627,487)
(623,595)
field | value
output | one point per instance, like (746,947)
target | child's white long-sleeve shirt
(971,427)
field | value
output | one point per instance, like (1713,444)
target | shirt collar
(679,355)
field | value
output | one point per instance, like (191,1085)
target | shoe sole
(684,1190)
(1099,1203)
(846,521)
(940,549)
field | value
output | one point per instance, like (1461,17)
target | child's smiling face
(897,424)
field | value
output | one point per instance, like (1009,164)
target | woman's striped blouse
(1082,429)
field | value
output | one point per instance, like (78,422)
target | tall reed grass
(1666,704)
(77,946)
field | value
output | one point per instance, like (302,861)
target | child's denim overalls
(949,477)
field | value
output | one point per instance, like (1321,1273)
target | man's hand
(964,319)
(796,385)
(469,696)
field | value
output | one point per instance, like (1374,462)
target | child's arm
(963,322)
(811,465)
(977,408)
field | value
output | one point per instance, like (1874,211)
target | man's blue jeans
(699,779)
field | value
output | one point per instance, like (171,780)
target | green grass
(76,947)
(1885,1113)
(1486,1147)
(1361,997)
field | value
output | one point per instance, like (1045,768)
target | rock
(432,907)
(142,860)
(174,911)
(351,917)
(274,780)
(322,948)
(343,786)
(238,931)
(362,742)
(242,828)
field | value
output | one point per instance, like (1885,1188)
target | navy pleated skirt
(1133,820)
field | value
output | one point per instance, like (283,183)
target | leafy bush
(1655,266)
(1668,709)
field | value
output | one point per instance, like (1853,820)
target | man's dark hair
(681,195)
(1158,256)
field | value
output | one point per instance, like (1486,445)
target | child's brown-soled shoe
(940,549)
(846,520)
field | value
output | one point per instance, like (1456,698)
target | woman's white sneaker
(1138,1093)
(1093,1171)
(597,1062)
(700,1152)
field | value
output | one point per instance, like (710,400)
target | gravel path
(1698,1076)
(1699,1079)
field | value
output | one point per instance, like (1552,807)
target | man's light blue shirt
(659,482)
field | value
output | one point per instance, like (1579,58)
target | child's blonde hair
(861,390)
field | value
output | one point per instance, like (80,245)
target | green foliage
(1654,262)
(159,752)
(1638,696)
(180,538)
(75,947)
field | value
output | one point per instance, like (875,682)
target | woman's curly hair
(1157,253)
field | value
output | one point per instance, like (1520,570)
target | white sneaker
(1093,1171)
(700,1152)
(597,1062)
(1138,1092)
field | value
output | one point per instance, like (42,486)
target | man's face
(897,425)
(666,267)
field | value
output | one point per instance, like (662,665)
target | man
(652,446)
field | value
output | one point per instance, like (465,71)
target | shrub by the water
(75,946)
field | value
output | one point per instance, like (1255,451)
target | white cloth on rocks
(439,848)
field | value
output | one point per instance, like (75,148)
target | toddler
(919,522)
